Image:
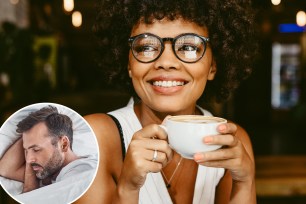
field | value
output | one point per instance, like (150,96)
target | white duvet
(67,190)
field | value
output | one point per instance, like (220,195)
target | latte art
(196,119)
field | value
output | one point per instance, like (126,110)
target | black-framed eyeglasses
(187,47)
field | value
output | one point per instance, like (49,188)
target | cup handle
(165,129)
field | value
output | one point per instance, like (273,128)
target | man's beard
(53,166)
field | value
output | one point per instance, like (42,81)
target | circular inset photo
(48,154)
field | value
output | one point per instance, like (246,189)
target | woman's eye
(187,47)
(145,48)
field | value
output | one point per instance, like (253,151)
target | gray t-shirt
(73,180)
(84,163)
(75,168)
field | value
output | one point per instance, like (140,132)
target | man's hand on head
(31,182)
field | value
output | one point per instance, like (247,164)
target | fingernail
(198,157)
(221,128)
(208,139)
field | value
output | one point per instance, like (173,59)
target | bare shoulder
(107,135)
(100,122)
(110,160)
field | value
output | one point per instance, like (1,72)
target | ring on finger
(154,156)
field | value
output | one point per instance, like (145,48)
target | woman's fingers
(218,155)
(161,146)
(150,145)
(146,160)
(148,151)
(157,157)
(151,131)
(232,156)
(153,137)
(224,140)
(227,128)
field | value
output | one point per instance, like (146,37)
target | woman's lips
(168,87)
(168,83)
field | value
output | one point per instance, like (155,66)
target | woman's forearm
(125,196)
(243,192)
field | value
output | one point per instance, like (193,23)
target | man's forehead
(38,135)
(36,144)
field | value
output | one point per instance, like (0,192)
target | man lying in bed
(43,155)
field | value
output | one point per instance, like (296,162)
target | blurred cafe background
(47,54)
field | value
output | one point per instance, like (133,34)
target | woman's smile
(167,85)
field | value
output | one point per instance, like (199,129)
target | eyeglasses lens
(146,48)
(189,48)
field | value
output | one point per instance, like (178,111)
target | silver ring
(154,156)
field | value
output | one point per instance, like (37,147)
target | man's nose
(30,158)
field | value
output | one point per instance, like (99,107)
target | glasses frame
(131,41)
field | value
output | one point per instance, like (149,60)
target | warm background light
(14,2)
(76,19)
(68,5)
(276,2)
(301,18)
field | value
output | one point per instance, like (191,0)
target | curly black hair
(231,31)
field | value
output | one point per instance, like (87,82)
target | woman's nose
(167,60)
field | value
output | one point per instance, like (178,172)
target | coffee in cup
(186,133)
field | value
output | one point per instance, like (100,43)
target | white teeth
(168,83)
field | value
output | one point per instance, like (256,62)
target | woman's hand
(235,155)
(139,157)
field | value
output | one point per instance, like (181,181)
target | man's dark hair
(231,31)
(58,124)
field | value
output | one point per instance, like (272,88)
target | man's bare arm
(30,180)
(12,163)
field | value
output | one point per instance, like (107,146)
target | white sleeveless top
(154,190)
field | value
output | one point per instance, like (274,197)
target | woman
(172,54)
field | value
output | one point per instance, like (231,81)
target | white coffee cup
(186,133)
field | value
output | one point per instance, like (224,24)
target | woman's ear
(212,70)
(130,72)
